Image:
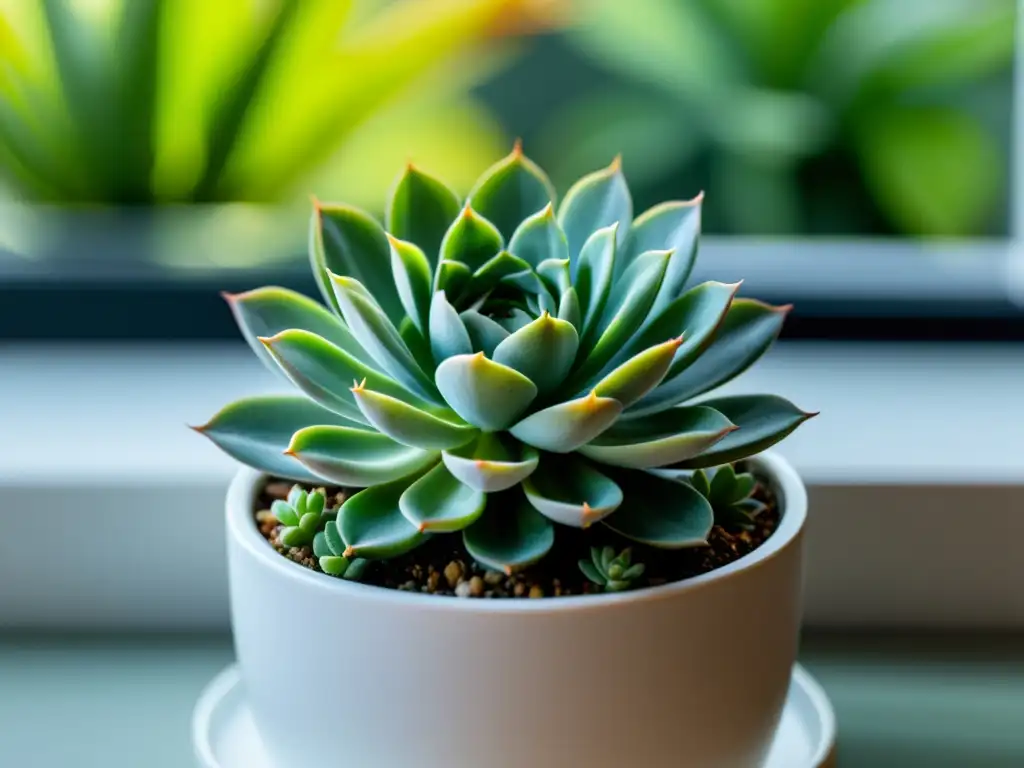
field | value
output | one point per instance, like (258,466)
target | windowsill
(912,701)
(914,469)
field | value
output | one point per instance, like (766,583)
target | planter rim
(241,526)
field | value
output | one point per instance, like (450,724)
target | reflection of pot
(691,673)
(125,242)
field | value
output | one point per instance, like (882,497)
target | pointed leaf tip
(517,147)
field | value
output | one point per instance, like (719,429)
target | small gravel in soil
(441,566)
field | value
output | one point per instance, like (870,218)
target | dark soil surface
(442,566)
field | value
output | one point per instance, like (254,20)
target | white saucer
(224,735)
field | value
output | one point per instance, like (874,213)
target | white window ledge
(111,507)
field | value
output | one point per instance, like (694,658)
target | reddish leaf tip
(349,551)
(230,298)
(517,147)
(508,570)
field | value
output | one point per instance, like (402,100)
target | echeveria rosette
(501,365)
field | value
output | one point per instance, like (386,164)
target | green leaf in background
(933,170)
(618,121)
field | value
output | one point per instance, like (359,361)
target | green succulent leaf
(487,394)
(566,426)
(510,190)
(530,282)
(379,337)
(748,330)
(411,271)
(568,490)
(347,241)
(452,277)
(356,457)
(484,333)
(448,335)
(509,536)
(438,502)
(661,439)
(591,572)
(493,272)
(569,309)
(661,513)
(555,274)
(672,226)
(408,424)
(623,316)
(728,488)
(543,351)
(595,201)
(762,421)
(309,523)
(699,480)
(284,512)
(489,464)
(268,311)
(294,537)
(592,274)
(472,240)
(297,498)
(696,315)
(514,320)
(257,430)
(420,210)
(320,548)
(325,372)
(539,237)
(332,538)
(640,374)
(373,526)
(334,565)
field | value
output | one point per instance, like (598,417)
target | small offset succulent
(615,573)
(302,515)
(494,368)
(329,548)
(730,495)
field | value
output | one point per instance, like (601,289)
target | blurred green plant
(804,115)
(157,101)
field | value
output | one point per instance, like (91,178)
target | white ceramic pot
(689,674)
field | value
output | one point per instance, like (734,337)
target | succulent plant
(329,549)
(493,368)
(730,495)
(302,515)
(615,573)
